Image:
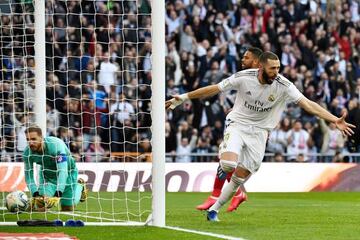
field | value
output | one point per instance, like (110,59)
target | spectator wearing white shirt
(21,142)
(52,119)
(354,8)
(187,38)
(199,10)
(185,147)
(121,113)
(122,109)
(172,22)
(277,139)
(287,57)
(174,56)
(297,139)
(108,73)
(333,140)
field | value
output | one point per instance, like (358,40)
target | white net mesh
(98,93)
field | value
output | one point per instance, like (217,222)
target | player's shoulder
(283,81)
(253,72)
(53,140)
(54,145)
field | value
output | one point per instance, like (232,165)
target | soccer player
(249,60)
(58,175)
(261,98)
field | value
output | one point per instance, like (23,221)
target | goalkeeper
(57,175)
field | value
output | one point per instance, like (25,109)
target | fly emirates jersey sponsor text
(257,104)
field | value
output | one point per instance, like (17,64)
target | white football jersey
(257,104)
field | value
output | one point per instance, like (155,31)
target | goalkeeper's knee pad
(228,166)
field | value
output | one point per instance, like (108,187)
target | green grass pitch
(314,215)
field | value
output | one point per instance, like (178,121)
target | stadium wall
(198,177)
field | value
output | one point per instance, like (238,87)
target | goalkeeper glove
(37,202)
(178,100)
(51,202)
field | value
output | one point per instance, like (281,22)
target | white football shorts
(248,142)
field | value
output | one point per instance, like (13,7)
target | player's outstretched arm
(204,92)
(316,109)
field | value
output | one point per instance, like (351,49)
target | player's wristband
(58,194)
(177,102)
(36,194)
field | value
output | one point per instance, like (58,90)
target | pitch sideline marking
(204,233)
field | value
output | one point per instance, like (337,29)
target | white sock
(228,192)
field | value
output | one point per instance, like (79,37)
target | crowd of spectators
(98,85)
(318,44)
(99,73)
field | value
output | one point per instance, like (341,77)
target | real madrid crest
(271,98)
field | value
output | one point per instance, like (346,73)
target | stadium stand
(318,43)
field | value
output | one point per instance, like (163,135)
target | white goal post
(120,204)
(158,112)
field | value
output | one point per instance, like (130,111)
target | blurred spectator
(278,157)
(297,139)
(52,117)
(277,141)
(333,140)
(90,121)
(66,135)
(213,75)
(170,139)
(173,22)
(107,73)
(174,59)
(4,155)
(184,146)
(122,113)
(21,142)
(144,149)
(354,118)
(203,147)
(217,134)
(77,148)
(107,48)
(95,152)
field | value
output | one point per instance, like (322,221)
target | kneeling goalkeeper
(57,175)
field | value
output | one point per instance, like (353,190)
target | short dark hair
(256,52)
(265,56)
(34,128)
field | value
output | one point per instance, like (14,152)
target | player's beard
(267,78)
(37,148)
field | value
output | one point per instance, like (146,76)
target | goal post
(158,112)
(78,46)
(40,64)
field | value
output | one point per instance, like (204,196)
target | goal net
(98,72)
